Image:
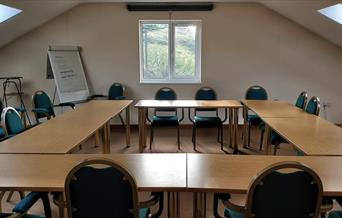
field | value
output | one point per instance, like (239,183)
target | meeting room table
(232,105)
(218,173)
(310,134)
(65,132)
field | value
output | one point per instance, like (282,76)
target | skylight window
(7,12)
(333,12)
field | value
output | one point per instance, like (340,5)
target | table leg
(267,140)
(106,143)
(97,137)
(199,210)
(173,205)
(230,127)
(235,131)
(142,129)
(245,127)
(128,127)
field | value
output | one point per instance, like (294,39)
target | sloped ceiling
(37,12)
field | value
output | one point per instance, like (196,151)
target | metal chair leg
(261,139)
(249,135)
(9,197)
(221,138)
(151,136)
(194,135)
(178,137)
(122,121)
(275,150)
(218,134)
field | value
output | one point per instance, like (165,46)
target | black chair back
(256,92)
(302,100)
(101,188)
(41,100)
(297,192)
(167,94)
(205,93)
(116,90)
(313,106)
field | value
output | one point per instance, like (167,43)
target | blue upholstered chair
(206,121)
(254,93)
(159,118)
(278,192)
(116,92)
(21,209)
(313,106)
(102,188)
(276,139)
(43,107)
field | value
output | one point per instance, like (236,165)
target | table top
(233,173)
(189,104)
(310,134)
(270,108)
(30,172)
(61,134)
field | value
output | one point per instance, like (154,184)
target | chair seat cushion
(254,119)
(207,121)
(165,121)
(144,212)
(335,214)
(276,139)
(232,214)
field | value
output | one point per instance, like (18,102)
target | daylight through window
(170,51)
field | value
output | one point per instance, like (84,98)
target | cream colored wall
(242,44)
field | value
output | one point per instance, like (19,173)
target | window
(7,12)
(333,12)
(170,51)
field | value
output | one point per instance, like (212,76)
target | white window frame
(172,79)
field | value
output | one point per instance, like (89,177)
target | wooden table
(232,105)
(62,134)
(310,134)
(152,172)
(233,173)
(268,108)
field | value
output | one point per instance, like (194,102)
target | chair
(200,121)
(276,139)
(43,107)
(282,190)
(116,92)
(102,188)
(20,210)
(313,106)
(161,120)
(255,92)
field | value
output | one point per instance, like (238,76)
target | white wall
(242,44)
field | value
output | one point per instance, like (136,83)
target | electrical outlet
(327,104)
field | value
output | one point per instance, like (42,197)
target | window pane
(185,51)
(155,49)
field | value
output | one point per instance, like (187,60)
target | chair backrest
(313,106)
(42,100)
(302,100)
(11,120)
(295,192)
(205,93)
(1,106)
(115,90)
(101,188)
(256,93)
(166,93)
